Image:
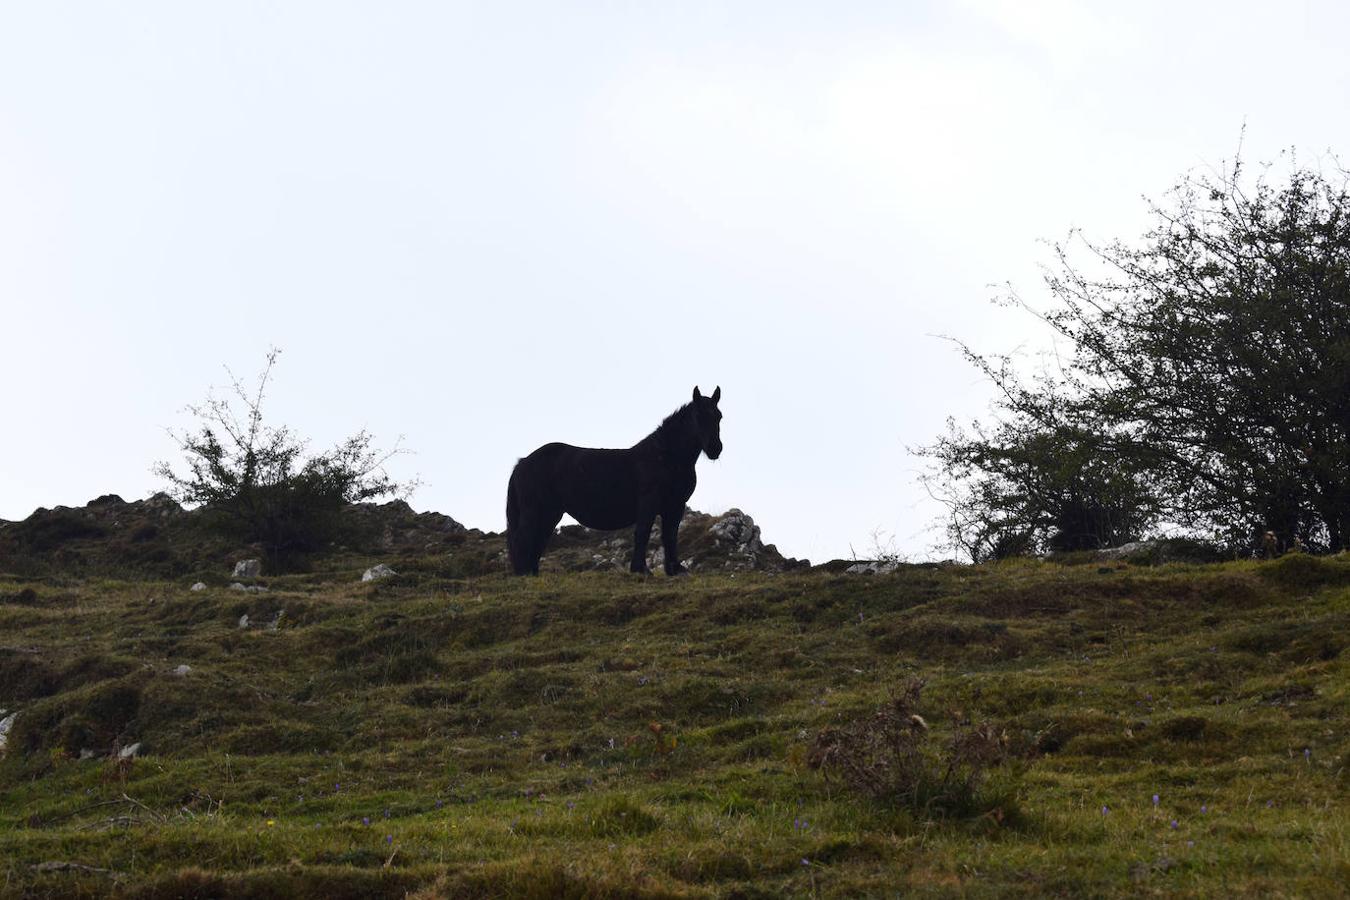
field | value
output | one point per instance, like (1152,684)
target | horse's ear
(717,394)
(697,395)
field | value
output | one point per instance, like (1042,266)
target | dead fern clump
(893,757)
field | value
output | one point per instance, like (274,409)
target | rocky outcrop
(727,542)
(157,537)
(394,526)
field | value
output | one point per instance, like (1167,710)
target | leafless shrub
(891,756)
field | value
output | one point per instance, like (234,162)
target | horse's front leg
(670,534)
(642,535)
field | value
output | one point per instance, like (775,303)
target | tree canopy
(1206,384)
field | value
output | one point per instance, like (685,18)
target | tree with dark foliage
(1210,364)
(1026,489)
(257,483)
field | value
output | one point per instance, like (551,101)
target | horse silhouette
(612,489)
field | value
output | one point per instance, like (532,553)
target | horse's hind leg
(536,529)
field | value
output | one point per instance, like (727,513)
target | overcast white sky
(488,226)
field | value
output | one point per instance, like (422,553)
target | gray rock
(182,671)
(86,753)
(736,528)
(162,504)
(129,751)
(6,723)
(243,621)
(199,586)
(1125,550)
(374,573)
(248,568)
(656,559)
(250,588)
(873,567)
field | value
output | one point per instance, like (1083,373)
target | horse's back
(596,486)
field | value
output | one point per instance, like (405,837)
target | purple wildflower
(388,838)
(1155,799)
(365,820)
(1174,824)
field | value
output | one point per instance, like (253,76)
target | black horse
(611,489)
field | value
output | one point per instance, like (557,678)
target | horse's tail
(514,537)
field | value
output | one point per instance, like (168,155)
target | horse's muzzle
(714,451)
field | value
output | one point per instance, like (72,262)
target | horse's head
(707,420)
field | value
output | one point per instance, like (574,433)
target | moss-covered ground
(1179,731)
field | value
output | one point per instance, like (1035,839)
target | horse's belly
(603,523)
(601,519)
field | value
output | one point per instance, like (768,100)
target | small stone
(86,753)
(182,671)
(6,723)
(129,751)
(374,573)
(243,621)
(248,568)
(236,586)
(199,586)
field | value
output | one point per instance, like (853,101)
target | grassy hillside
(602,734)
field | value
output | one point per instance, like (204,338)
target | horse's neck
(673,444)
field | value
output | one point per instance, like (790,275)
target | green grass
(497,733)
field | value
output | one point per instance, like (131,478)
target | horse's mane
(669,426)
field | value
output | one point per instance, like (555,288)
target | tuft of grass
(621,817)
